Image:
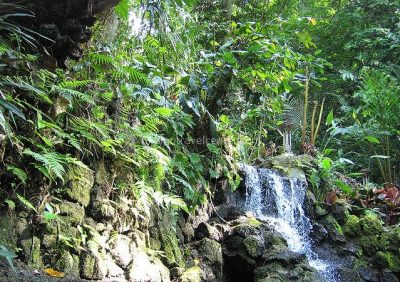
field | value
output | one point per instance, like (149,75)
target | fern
(18,173)
(52,164)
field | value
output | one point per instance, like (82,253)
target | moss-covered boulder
(254,246)
(72,213)
(352,226)
(388,260)
(170,246)
(92,267)
(79,181)
(7,233)
(68,263)
(31,251)
(192,274)
(211,250)
(371,225)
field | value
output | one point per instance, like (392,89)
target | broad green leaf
(344,187)
(329,118)
(165,112)
(372,139)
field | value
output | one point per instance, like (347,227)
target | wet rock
(339,211)
(170,246)
(318,232)
(271,272)
(320,210)
(388,276)
(79,181)
(68,263)
(347,274)
(283,255)
(369,274)
(335,231)
(229,212)
(188,232)
(7,233)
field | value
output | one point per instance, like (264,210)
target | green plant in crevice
(8,255)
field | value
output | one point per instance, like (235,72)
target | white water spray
(279,200)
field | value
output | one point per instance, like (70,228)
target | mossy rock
(92,268)
(388,260)
(7,233)
(352,226)
(68,263)
(254,246)
(170,246)
(370,244)
(79,181)
(72,213)
(371,225)
(211,250)
(390,240)
(30,249)
(192,274)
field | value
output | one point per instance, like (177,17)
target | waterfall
(279,200)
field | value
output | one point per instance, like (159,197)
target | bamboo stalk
(319,121)
(305,108)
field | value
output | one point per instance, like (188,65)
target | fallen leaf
(54,273)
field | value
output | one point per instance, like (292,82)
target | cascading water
(279,200)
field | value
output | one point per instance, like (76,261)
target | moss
(389,260)
(211,250)
(338,228)
(30,248)
(370,244)
(72,213)
(170,246)
(7,236)
(371,225)
(254,246)
(352,226)
(80,182)
(68,263)
(191,275)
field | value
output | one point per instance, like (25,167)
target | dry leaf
(54,273)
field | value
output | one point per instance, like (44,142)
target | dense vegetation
(173,94)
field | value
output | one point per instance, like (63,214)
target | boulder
(121,250)
(205,230)
(192,274)
(144,269)
(254,246)
(211,250)
(79,181)
(71,213)
(92,267)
